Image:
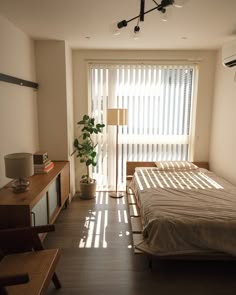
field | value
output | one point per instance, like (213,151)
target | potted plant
(85,149)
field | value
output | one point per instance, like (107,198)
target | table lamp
(19,166)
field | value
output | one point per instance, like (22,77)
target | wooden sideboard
(41,204)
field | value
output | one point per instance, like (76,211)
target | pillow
(175,165)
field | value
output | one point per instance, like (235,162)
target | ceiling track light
(162,8)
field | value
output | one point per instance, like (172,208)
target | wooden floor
(98,258)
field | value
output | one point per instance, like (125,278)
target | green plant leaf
(93,154)
(89,162)
(76,142)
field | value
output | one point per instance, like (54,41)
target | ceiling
(85,24)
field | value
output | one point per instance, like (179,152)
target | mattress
(185,212)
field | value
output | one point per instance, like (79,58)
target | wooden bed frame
(214,255)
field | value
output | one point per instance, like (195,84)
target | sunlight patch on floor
(96,222)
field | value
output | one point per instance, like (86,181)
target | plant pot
(87,190)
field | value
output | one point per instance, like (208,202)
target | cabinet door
(40,212)
(53,198)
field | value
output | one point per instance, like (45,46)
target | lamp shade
(19,165)
(117,117)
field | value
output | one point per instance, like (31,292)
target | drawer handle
(34,220)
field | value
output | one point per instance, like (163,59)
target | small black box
(40,158)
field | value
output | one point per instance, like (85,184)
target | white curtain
(159,99)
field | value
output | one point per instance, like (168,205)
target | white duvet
(185,211)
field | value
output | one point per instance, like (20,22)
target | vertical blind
(159,99)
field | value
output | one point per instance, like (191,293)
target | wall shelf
(18,81)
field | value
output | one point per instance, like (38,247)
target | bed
(185,212)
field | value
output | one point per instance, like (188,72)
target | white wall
(55,101)
(204,93)
(70,116)
(52,98)
(223,135)
(18,104)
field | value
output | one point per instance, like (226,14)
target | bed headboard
(130,166)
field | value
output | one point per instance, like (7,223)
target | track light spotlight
(136,29)
(122,24)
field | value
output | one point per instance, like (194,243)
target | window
(159,99)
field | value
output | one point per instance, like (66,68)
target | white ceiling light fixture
(162,8)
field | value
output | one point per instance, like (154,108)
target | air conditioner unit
(229,54)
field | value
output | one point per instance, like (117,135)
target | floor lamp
(117,117)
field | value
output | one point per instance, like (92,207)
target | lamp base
(20,185)
(116,195)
